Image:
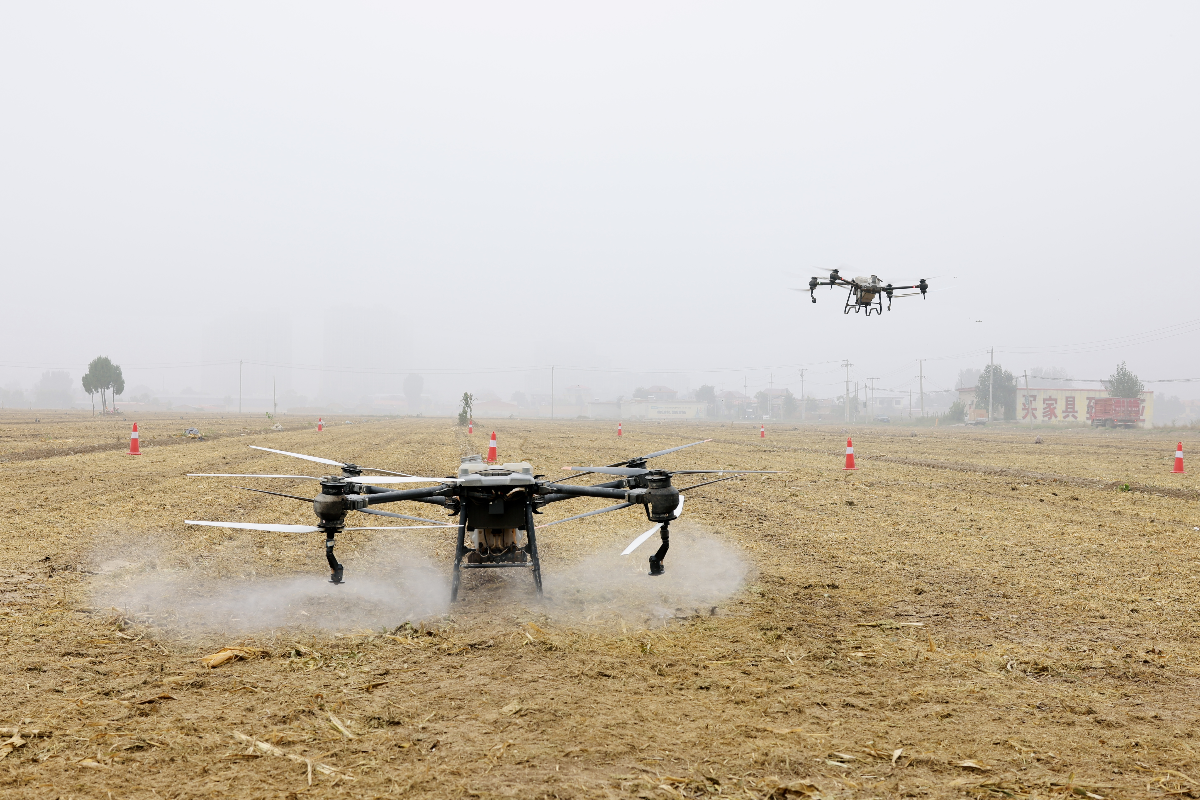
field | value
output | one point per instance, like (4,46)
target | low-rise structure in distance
(1054,406)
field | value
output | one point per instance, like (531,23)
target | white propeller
(254,526)
(370,479)
(320,460)
(317,459)
(244,475)
(381,479)
(636,543)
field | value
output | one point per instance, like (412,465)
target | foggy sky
(628,187)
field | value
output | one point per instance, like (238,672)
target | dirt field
(968,614)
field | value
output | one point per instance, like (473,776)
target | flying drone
(866,293)
(494,503)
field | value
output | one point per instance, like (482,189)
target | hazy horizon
(342,196)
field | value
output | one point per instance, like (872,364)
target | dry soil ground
(969,614)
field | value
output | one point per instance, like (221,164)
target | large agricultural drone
(493,502)
(866,293)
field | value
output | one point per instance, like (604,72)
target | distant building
(604,409)
(490,409)
(642,409)
(661,393)
(732,403)
(577,395)
(881,406)
(680,409)
(1037,405)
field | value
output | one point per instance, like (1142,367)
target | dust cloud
(702,571)
(391,588)
(394,583)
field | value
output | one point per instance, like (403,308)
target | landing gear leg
(533,551)
(460,549)
(656,565)
(335,569)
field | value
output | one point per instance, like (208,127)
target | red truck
(1112,412)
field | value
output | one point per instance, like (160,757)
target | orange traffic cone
(762,431)
(849,454)
(470,426)
(618,430)
(320,424)
(1178,456)
(492,449)
(134,450)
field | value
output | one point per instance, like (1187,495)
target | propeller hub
(330,504)
(657,479)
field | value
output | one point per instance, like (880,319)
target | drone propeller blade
(628,472)
(725,472)
(590,470)
(588,514)
(254,526)
(317,459)
(371,480)
(244,475)
(927,291)
(662,452)
(679,508)
(277,494)
(636,543)
(398,516)
(320,460)
(397,527)
(705,483)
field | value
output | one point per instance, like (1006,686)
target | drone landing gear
(656,560)
(335,568)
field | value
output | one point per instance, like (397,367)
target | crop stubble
(988,607)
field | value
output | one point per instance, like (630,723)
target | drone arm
(567,491)
(369,489)
(375,498)
(437,500)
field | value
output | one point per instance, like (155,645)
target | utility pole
(991,382)
(871,398)
(910,403)
(921,361)
(1027,396)
(239,386)
(551,392)
(802,403)
(846,396)
(745,395)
